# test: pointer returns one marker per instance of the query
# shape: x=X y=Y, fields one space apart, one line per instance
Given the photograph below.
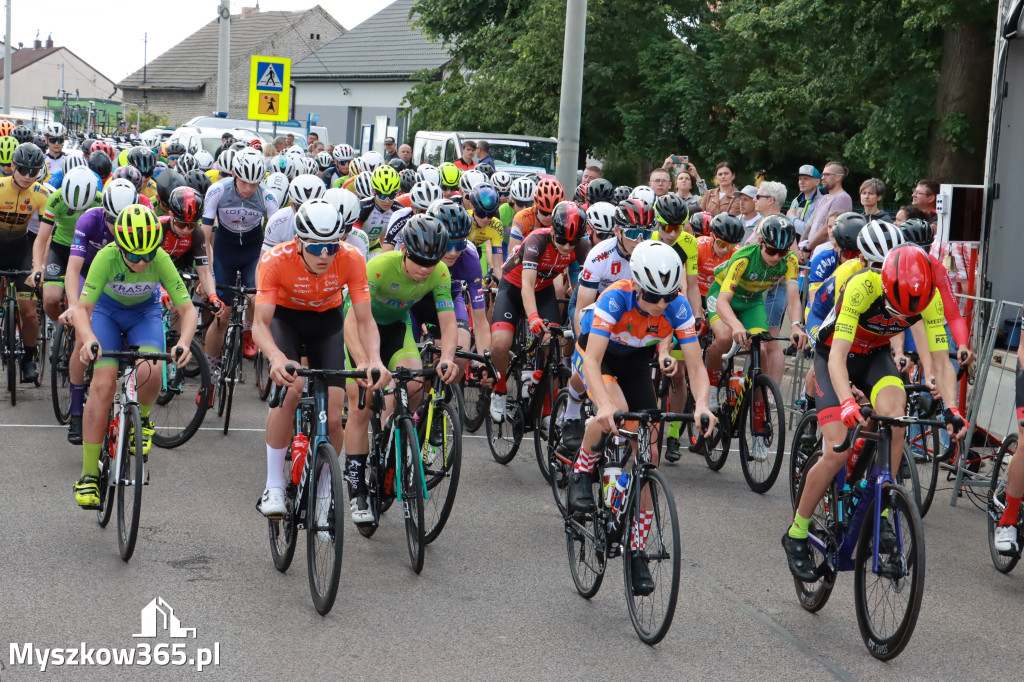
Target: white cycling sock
x=572 y=407
x=275 y=467
x=323 y=488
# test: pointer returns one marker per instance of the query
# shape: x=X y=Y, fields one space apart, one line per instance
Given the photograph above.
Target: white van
x=517 y=154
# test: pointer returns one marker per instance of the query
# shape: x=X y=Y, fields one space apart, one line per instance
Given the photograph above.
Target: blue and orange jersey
x=617 y=316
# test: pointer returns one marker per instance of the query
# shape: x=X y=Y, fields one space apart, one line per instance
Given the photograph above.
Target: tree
x=147 y=120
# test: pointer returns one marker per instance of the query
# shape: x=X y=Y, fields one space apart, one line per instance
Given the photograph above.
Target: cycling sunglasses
x=458 y=246
x=423 y=263
x=722 y=244
x=565 y=242
x=654 y=298
x=174 y=157
x=386 y=197
x=772 y=251
x=28 y=172
x=635 y=233
x=449 y=188
x=485 y=215
x=139 y=257
x=544 y=213
x=319 y=249
x=185 y=225
x=55 y=140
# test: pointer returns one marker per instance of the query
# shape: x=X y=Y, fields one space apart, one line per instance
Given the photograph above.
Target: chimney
x=49 y=40
x=37 y=44
x=246 y=11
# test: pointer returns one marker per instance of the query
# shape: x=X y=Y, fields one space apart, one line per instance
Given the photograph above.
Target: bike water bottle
x=855 y=451
x=858 y=492
x=300 y=446
x=611 y=474
x=619 y=494
x=735 y=386
x=526 y=379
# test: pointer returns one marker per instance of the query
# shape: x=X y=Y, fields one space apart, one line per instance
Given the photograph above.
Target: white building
x=44 y=70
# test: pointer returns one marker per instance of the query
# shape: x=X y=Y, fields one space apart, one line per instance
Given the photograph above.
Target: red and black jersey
x=179 y=248
x=538 y=252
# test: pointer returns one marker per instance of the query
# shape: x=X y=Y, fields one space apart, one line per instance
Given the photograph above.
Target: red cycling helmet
x=568 y=221
x=186 y=205
x=547 y=195
x=256 y=143
x=634 y=214
x=907 y=279
x=101 y=146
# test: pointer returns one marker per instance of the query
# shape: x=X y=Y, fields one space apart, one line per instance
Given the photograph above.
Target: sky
x=110 y=36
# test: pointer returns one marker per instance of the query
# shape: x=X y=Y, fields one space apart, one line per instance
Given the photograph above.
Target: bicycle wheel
x=1004 y=563
x=504 y=439
x=107 y=491
x=42 y=342
x=282 y=532
x=232 y=373
x=906 y=476
x=543 y=426
x=130 y=480
x=181 y=406
x=263 y=382
x=806 y=441
x=412 y=495
x=924 y=449
x=813 y=596
x=474 y=404
x=587 y=545
x=548 y=458
x=222 y=385
x=325 y=528
x=12 y=346
x=660 y=550
x=770 y=441
x=60 y=376
x=441 y=465
x=888 y=602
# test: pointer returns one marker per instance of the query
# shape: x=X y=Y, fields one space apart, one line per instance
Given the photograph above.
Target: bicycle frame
x=125 y=395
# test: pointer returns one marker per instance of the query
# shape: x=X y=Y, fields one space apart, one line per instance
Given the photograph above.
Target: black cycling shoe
x=798 y=556
x=581 y=496
x=887 y=536
x=29 y=372
x=436 y=438
x=75 y=430
x=672 y=449
x=643 y=583
x=572 y=438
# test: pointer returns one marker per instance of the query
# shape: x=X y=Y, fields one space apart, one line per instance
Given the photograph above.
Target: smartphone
x=677 y=159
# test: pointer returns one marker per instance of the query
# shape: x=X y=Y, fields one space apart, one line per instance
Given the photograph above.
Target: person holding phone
x=726 y=198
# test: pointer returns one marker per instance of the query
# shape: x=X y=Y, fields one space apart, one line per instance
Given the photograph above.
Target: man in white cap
x=801 y=211
x=748 y=208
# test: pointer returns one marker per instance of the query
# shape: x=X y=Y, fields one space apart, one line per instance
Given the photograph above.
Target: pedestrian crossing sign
x=269 y=88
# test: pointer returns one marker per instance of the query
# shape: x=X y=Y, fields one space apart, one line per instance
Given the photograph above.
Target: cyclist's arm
x=353 y=342
x=71 y=276
x=529 y=292
x=837 y=369
x=795 y=311
x=693 y=295
x=725 y=311
x=596 y=347
x=481 y=329
x=178 y=292
x=83 y=324
x=40 y=246
x=957 y=325
x=585 y=295
x=699 y=382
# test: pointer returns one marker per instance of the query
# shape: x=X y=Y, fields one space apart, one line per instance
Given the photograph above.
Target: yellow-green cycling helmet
x=385 y=182
x=138 y=232
x=7 y=146
x=450 y=175
x=122 y=158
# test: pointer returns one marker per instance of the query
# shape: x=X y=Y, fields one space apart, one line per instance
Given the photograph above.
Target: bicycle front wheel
x=924 y=449
x=107 y=491
x=806 y=441
x=184 y=398
x=762 y=445
x=131 y=478
x=652 y=532
x=442 y=462
x=888 y=601
x=1004 y=563
x=232 y=373
x=60 y=372
x=412 y=495
x=325 y=528
x=263 y=382
x=814 y=595
x=587 y=545
x=11 y=347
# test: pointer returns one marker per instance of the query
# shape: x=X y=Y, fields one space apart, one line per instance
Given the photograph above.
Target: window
x=432 y=152
x=450 y=154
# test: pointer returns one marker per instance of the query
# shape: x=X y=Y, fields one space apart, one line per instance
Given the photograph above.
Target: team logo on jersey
x=394 y=286
x=614 y=306
x=118 y=276
x=753 y=276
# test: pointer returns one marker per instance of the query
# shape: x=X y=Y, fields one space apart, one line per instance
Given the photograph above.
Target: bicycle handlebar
x=855 y=433
x=649 y=416
x=277 y=395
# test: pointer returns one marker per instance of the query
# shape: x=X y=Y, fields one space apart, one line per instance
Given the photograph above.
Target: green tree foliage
x=147 y=120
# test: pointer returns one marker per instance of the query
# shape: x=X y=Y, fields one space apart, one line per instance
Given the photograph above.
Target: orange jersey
x=286 y=281
x=525 y=222
x=707 y=261
x=617 y=317
x=404 y=200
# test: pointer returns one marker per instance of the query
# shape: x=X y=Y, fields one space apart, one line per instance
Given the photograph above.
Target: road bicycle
x=60 y=371
x=1003 y=562
x=122 y=460
x=641 y=524
x=12 y=350
x=314 y=497
x=184 y=397
x=845 y=534
x=231 y=352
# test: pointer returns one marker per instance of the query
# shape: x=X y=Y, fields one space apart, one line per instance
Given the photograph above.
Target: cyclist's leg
x=723 y=337
x=324 y=339
x=883 y=383
x=508 y=308
x=19 y=256
x=53 y=284
x=755 y=318
x=408 y=356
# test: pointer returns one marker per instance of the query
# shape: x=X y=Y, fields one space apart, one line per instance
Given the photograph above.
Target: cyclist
x=21 y=198
x=376 y=210
x=121 y=299
x=7 y=146
x=239 y=205
x=299 y=314
x=527 y=289
x=672 y=213
x=546 y=196
x=853 y=346
x=338 y=173
x=488 y=232
x=450 y=175
x=54 y=133
x=716 y=248
x=397 y=280
x=736 y=304
x=279 y=226
x=613 y=353
x=520 y=194
x=422 y=195
x=1006 y=540
x=185 y=241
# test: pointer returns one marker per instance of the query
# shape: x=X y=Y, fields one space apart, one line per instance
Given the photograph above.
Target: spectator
x=907 y=213
x=134 y=131
x=690 y=187
x=923 y=198
x=405 y=154
x=483 y=152
x=280 y=143
x=801 y=211
x=466 y=162
x=770 y=200
x=871 y=192
x=390 y=151
x=592 y=173
x=660 y=181
x=313 y=137
x=289 y=140
x=835 y=199
x=748 y=209
x=225 y=142
x=315 y=147
x=725 y=198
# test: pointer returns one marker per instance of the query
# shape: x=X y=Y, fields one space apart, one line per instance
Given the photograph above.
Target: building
x=182 y=82
x=365 y=74
x=45 y=71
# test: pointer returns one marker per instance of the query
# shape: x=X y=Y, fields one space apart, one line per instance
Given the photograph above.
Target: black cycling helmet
x=198 y=180
x=568 y=221
x=131 y=174
x=671 y=209
x=453 y=216
x=142 y=158
x=600 y=189
x=425 y=239
x=408 y=178
x=100 y=164
x=176 y=148
x=621 y=193
x=484 y=200
x=22 y=134
x=27 y=155
x=776 y=231
x=40 y=141
x=846 y=229
x=485 y=168
x=397 y=164
x=917 y=231
x=167 y=183
x=728 y=228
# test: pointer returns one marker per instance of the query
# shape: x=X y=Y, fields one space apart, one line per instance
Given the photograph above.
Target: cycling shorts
x=870 y=372
x=631 y=371
x=17 y=255
x=396 y=344
x=231 y=257
x=424 y=312
x=508 y=306
x=138 y=325
x=316 y=335
x=751 y=313
x=56 y=264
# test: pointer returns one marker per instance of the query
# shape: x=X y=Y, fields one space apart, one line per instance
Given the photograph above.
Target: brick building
x=182 y=82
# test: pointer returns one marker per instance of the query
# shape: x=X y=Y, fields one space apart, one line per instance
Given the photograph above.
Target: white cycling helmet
x=372 y=160
x=117 y=196
x=347 y=205
x=79 y=188
x=522 y=190
x=318 y=221
x=877 y=239
x=305 y=188
x=357 y=166
x=309 y=166
x=344 y=153
x=656 y=268
x=72 y=161
x=501 y=180
x=643 y=192
x=204 y=159
x=226 y=160
x=428 y=173
x=469 y=180
x=278 y=185
x=363 y=184
x=601 y=217
x=423 y=194
x=55 y=129
x=186 y=163
x=283 y=163
x=249 y=166
x=324 y=161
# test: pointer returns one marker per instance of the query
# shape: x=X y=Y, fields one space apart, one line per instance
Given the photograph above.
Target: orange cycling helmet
x=5 y=128
x=907 y=280
x=547 y=195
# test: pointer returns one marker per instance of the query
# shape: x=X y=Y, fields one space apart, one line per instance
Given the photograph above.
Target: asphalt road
x=494 y=601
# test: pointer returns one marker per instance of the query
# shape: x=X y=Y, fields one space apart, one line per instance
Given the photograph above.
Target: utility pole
x=572 y=94
x=223 y=55
x=145 y=45
x=7 y=62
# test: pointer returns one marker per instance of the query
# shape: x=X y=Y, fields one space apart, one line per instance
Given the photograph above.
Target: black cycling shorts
x=17 y=255
x=1020 y=392
x=57 y=262
x=631 y=371
x=315 y=335
x=870 y=372
x=424 y=312
x=508 y=306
